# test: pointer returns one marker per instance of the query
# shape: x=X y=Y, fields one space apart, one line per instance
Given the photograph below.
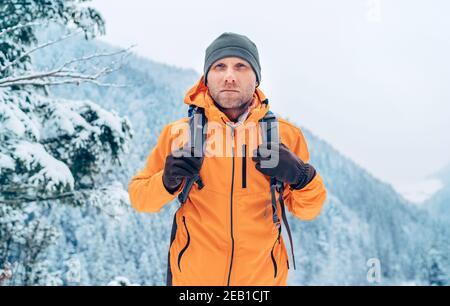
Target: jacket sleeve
x=146 y=189
x=305 y=203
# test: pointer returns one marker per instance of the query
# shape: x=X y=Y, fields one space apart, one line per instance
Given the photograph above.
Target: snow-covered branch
x=84 y=195
x=35 y=198
x=96 y=56
x=65 y=75
x=44 y=45
x=20 y=26
x=38 y=198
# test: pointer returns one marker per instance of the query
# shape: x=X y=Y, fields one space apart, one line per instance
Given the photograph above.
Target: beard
x=234 y=104
x=231 y=100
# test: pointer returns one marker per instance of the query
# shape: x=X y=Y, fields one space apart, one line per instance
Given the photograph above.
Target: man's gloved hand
x=180 y=164
x=290 y=168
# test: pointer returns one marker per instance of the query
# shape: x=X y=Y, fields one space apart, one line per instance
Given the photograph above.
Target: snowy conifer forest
x=78 y=118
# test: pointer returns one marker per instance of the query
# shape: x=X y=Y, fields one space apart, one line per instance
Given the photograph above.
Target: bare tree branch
x=71 y=82
x=16 y=60
x=95 y=56
x=70 y=76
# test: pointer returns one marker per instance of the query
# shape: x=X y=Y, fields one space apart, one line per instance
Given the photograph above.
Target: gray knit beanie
x=232 y=44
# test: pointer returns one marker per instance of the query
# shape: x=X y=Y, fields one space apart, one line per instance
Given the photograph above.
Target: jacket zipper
x=231 y=207
x=186 y=246
x=244 y=166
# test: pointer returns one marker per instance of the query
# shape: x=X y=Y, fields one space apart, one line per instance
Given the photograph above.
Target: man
x=228 y=230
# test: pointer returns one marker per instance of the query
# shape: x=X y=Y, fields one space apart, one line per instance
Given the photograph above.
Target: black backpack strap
x=285 y=220
x=269 y=128
x=197 y=140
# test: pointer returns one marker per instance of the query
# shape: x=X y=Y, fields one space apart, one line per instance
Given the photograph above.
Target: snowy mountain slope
x=364 y=218
x=439 y=204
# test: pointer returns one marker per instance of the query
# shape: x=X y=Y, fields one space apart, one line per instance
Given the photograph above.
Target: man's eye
x=220 y=65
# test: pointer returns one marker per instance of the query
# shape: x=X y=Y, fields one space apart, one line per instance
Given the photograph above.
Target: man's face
x=231 y=82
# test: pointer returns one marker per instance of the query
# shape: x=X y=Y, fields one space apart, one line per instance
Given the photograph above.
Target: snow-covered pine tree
x=52 y=151
x=437 y=262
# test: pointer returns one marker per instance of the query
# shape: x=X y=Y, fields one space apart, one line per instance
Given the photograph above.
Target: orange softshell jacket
x=224 y=233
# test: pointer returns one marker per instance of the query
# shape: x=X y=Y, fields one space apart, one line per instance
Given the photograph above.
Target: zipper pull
x=232 y=139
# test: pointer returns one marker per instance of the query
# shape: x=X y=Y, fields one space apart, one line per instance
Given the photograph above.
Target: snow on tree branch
x=64 y=74
x=20 y=26
x=44 y=45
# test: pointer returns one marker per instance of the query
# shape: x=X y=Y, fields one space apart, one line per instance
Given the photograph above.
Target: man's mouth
x=229 y=90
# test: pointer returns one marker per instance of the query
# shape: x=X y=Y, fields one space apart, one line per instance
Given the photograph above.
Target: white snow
x=64 y=119
x=13 y=118
x=67 y=116
x=118 y=201
x=105 y=117
x=54 y=171
x=109 y=119
x=6 y=162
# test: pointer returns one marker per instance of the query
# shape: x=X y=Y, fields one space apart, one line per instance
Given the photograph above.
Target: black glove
x=290 y=168
x=177 y=168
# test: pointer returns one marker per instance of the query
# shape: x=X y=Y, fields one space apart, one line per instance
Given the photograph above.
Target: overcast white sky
x=371 y=77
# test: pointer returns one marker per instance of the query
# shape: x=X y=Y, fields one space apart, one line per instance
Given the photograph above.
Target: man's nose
x=230 y=76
